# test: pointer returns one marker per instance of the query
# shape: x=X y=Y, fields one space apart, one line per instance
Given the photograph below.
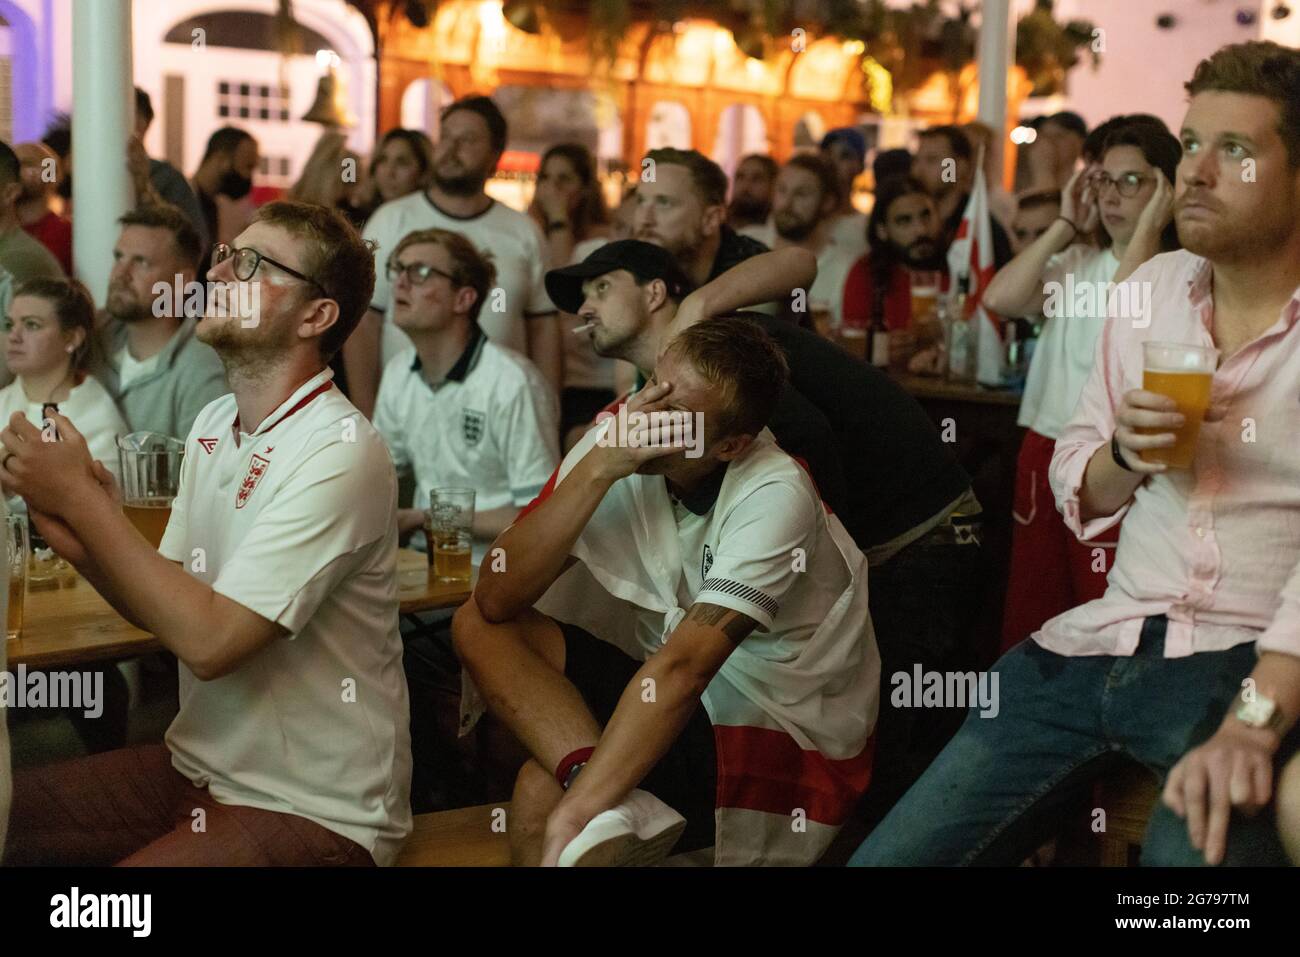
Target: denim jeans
x=992 y=794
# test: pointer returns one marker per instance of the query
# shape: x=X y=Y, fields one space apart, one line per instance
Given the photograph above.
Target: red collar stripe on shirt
x=320 y=389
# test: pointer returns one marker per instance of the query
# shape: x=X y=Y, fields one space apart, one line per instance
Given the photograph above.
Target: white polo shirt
x=297 y=522
x=512 y=240
x=491 y=425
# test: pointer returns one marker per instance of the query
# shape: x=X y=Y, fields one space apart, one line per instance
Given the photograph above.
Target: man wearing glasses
x=459 y=411
x=454 y=407
x=275 y=586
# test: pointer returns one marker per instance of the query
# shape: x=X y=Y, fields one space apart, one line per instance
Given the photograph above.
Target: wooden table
x=73 y=625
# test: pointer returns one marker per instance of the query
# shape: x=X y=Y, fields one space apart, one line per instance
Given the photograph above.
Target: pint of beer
x=925 y=293
x=450 y=534
x=17 y=552
x=1184 y=373
x=151 y=475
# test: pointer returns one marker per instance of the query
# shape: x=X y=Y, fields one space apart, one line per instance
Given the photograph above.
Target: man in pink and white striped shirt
x=1190 y=662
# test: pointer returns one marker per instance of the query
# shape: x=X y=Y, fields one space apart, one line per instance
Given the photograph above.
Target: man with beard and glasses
x=517 y=313
x=225 y=175
x=803 y=215
x=150 y=360
x=275 y=586
x=751 y=192
x=1190 y=662
x=905 y=230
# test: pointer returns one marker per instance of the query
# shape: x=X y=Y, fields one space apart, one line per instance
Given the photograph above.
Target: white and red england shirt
x=297 y=522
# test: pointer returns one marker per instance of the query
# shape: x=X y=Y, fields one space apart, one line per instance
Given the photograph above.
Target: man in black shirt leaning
x=875 y=456
x=681 y=205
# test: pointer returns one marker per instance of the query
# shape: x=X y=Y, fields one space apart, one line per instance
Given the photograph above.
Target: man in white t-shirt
x=803 y=215
x=275 y=586
x=705 y=655
x=517 y=313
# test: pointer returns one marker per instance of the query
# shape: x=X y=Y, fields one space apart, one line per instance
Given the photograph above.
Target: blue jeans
x=992 y=795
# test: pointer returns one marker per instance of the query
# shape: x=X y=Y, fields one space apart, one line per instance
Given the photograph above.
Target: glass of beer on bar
x=925 y=293
x=1184 y=373
x=151 y=474
x=18 y=550
x=450 y=534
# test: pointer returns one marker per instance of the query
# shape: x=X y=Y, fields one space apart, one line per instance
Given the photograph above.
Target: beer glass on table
x=925 y=293
x=151 y=474
x=450 y=534
x=1184 y=373
x=18 y=552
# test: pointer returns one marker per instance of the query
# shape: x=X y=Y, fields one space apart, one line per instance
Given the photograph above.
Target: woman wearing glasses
x=1115 y=215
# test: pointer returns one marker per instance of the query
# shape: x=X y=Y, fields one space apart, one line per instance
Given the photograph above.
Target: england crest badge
x=256 y=469
x=472 y=423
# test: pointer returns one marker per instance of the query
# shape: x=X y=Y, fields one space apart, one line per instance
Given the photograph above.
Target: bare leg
x=536 y=795
x=518 y=667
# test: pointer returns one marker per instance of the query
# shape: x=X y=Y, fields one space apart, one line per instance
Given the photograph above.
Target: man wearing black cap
x=875 y=456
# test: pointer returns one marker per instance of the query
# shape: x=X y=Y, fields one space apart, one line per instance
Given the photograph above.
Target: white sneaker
x=640 y=832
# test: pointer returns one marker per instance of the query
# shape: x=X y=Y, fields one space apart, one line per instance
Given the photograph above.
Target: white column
x=996 y=48
x=103 y=115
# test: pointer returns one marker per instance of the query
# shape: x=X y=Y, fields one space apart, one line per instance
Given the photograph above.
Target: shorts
x=686 y=777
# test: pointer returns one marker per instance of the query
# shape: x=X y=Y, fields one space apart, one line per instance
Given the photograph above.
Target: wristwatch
x=1260 y=712
x=1116 y=454
x=556 y=225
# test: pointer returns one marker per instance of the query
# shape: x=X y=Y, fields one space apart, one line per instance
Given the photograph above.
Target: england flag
x=971 y=255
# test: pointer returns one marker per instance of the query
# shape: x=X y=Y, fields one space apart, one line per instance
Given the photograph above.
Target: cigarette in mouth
x=590 y=325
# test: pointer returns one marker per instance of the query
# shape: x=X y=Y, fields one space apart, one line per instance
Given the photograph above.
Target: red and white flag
x=971 y=255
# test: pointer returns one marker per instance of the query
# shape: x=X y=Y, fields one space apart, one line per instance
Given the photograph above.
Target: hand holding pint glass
x=1159 y=424
x=450 y=535
x=151 y=475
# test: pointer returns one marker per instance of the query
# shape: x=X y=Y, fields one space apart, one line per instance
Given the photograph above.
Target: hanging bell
x=331 y=105
x=522 y=15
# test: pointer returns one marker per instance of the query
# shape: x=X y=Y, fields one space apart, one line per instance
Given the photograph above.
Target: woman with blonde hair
x=329 y=177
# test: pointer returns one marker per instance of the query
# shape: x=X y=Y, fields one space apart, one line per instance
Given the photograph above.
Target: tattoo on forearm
x=731 y=623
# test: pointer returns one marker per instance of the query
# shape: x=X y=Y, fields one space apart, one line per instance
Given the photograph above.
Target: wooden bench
x=1129 y=795
x=461 y=838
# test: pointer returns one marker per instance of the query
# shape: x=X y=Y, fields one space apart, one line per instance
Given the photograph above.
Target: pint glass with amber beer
x=450 y=534
x=151 y=475
x=1184 y=373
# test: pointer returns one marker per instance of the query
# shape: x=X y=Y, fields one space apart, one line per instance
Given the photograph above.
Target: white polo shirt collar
x=463 y=365
x=302 y=396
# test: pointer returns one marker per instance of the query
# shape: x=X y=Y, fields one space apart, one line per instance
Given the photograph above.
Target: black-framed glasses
x=1128 y=184
x=246 y=261
x=417 y=274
